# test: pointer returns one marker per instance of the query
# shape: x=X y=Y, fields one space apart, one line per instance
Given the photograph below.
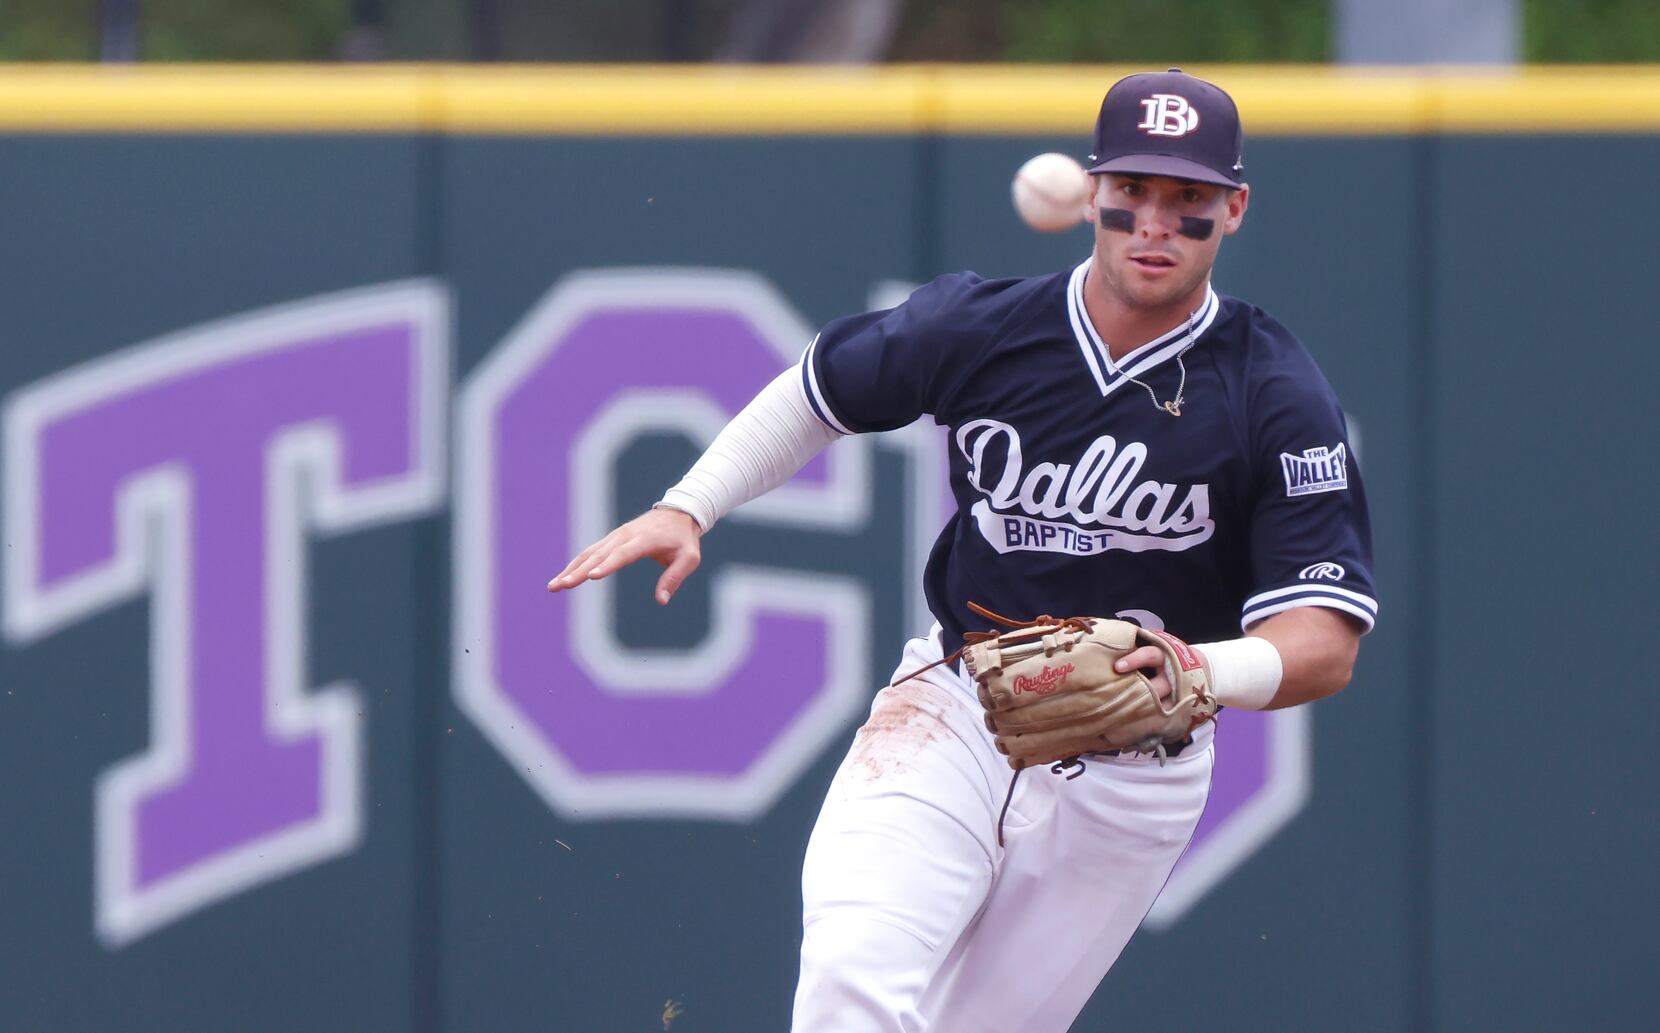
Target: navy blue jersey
x=1077 y=493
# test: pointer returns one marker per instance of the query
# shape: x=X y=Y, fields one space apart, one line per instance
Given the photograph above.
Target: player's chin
x=1155 y=293
x=1154 y=278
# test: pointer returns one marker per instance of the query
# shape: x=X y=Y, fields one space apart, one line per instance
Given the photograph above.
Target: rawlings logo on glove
x=1051 y=692
x=1045 y=681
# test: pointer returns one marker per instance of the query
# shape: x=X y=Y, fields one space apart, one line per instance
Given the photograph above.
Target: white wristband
x=1244 y=672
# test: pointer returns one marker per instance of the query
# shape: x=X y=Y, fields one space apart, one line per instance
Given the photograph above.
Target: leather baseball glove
x=1051 y=693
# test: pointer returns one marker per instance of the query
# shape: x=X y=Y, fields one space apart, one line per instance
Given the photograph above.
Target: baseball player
x=1125 y=443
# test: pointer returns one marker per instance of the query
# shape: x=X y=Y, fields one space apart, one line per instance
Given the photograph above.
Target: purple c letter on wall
x=192 y=467
x=601 y=730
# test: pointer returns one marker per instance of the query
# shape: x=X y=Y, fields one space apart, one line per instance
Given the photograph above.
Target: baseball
x=1050 y=192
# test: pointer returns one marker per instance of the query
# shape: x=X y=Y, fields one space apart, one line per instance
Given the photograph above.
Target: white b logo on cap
x=1168 y=114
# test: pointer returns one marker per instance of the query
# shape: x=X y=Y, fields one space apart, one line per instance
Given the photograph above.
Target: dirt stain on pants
x=906 y=718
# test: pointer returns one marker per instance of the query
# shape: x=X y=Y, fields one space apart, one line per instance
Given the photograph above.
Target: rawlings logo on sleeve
x=1325 y=571
x=1316 y=470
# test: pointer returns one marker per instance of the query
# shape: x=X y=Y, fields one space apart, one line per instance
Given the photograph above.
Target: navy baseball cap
x=1169 y=124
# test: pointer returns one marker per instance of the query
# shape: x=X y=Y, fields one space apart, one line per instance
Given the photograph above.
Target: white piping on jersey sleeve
x=815 y=394
x=1265 y=604
x=764 y=446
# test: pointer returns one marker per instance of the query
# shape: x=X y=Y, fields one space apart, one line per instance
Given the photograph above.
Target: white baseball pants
x=915 y=919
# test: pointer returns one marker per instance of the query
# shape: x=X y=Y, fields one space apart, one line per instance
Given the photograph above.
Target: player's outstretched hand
x=666 y=535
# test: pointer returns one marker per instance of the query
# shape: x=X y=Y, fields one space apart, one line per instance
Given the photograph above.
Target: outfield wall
x=311 y=378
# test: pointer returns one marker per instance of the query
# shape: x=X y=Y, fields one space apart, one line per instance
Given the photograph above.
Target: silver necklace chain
x=1174 y=406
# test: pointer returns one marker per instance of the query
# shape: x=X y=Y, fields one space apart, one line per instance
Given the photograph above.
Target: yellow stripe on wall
x=606 y=100
x=614 y=100
x=147 y=98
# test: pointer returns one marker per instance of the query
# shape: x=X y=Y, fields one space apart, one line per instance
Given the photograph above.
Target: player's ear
x=1093 y=202
x=1238 y=201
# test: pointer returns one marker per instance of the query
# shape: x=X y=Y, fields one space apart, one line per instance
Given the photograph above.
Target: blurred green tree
x=1142 y=32
x=48 y=30
x=1145 y=32
x=242 y=30
x=1590 y=30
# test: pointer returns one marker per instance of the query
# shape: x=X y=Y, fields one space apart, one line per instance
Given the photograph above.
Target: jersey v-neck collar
x=1110 y=375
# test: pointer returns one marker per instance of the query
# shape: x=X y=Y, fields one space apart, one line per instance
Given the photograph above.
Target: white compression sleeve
x=760 y=449
x=1244 y=672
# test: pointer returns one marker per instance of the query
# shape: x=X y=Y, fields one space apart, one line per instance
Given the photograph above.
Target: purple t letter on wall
x=192 y=468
